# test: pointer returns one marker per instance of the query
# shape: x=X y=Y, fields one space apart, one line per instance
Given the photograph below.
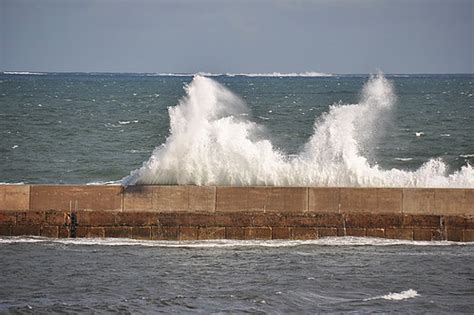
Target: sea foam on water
x=212 y=142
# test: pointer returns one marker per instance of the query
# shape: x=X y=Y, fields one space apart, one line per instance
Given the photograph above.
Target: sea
x=308 y=129
x=333 y=275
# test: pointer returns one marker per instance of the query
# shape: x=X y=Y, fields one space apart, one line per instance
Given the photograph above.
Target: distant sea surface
x=86 y=128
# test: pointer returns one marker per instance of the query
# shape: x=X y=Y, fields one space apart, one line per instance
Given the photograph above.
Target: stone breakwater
x=195 y=213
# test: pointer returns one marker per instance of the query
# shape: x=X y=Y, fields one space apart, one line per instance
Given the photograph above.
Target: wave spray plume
x=212 y=143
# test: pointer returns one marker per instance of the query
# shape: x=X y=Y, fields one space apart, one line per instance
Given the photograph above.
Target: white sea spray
x=212 y=142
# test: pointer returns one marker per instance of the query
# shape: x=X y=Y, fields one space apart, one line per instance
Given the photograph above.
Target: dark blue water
x=330 y=275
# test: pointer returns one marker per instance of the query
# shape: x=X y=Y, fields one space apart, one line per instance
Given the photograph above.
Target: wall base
x=238 y=225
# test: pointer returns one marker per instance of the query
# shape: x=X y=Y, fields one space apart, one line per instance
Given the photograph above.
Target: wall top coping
x=253 y=187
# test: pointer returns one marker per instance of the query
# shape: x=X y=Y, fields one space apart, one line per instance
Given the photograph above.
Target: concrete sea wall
x=193 y=212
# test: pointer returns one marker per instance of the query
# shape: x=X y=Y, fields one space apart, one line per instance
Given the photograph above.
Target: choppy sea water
x=410 y=130
x=336 y=275
x=397 y=130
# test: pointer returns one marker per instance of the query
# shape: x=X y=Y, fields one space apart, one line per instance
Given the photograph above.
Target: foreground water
x=329 y=275
x=413 y=130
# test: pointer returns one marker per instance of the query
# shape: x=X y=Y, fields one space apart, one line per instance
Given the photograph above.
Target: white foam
x=282 y=74
x=124 y=122
x=138 y=151
x=408 y=294
x=172 y=74
x=403 y=159
x=263 y=74
x=466 y=155
x=329 y=241
x=212 y=142
x=109 y=125
x=111 y=183
x=24 y=73
x=208 y=74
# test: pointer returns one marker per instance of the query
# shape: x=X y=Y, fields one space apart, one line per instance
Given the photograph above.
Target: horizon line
x=203 y=73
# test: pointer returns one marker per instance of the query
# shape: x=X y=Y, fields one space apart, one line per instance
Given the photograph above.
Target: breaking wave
x=212 y=142
x=408 y=294
x=329 y=241
x=23 y=73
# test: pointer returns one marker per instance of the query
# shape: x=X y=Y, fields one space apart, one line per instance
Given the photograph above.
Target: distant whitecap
x=23 y=73
x=403 y=159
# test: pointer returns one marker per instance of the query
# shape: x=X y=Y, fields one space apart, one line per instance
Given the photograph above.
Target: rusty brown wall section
x=236 y=212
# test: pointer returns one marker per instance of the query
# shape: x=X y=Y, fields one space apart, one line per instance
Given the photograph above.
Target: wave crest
x=211 y=143
x=408 y=294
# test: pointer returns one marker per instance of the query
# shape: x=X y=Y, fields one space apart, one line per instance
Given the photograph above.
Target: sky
x=237 y=36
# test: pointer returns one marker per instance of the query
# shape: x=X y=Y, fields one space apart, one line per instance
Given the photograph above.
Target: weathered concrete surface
x=438 y=201
x=323 y=199
x=14 y=197
x=169 y=198
x=453 y=201
x=75 y=197
x=375 y=200
x=265 y=199
x=191 y=212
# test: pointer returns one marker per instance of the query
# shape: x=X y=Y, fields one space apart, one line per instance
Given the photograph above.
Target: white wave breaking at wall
x=225 y=243
x=212 y=142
